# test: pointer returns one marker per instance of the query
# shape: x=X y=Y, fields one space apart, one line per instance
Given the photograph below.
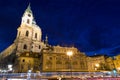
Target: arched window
x=25 y=46
x=35 y=35
x=27 y=33
x=28 y=21
x=29 y=15
x=23 y=60
x=39 y=46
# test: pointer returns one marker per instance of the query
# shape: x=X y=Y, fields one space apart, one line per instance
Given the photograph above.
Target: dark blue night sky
x=93 y=26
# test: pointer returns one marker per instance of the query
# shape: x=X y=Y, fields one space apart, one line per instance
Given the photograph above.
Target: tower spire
x=28 y=16
x=28 y=9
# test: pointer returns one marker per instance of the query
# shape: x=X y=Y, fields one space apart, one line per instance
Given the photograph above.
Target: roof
x=28 y=9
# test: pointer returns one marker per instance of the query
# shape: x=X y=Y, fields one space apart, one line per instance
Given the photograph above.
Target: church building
x=27 y=45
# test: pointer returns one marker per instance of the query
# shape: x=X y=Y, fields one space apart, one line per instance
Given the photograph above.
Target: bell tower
x=29 y=34
x=27 y=16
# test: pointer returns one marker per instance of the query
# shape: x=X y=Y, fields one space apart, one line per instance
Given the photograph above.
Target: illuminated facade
x=117 y=63
x=29 y=34
x=27 y=45
x=58 y=60
x=95 y=63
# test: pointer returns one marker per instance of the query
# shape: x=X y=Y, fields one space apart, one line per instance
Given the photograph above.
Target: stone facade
x=27 y=45
x=58 y=60
x=27 y=61
x=117 y=63
x=29 y=34
x=94 y=62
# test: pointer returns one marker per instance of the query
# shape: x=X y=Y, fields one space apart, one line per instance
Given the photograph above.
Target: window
x=27 y=33
x=58 y=62
x=67 y=62
x=29 y=15
x=39 y=46
x=23 y=60
x=28 y=21
x=22 y=67
x=82 y=65
x=75 y=63
x=35 y=35
x=25 y=46
x=49 y=58
x=49 y=63
x=27 y=54
x=36 y=56
x=28 y=67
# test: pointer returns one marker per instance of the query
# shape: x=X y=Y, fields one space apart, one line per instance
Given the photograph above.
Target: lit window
x=27 y=54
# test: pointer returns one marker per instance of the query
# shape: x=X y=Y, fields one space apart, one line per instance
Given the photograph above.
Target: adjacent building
x=117 y=63
x=58 y=60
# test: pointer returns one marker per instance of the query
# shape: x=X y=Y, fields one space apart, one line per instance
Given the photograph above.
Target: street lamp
x=70 y=53
x=96 y=66
x=118 y=69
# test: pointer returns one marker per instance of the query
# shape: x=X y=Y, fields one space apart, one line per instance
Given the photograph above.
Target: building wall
x=61 y=62
x=95 y=60
x=117 y=63
x=7 y=51
x=110 y=63
x=27 y=61
x=59 y=49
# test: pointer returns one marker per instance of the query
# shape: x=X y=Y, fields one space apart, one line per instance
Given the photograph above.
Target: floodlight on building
x=97 y=65
x=118 y=69
x=69 y=53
